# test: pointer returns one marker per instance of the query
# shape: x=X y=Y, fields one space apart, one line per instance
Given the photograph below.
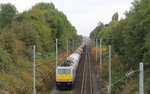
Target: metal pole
x=96 y=50
x=109 y=69
x=101 y=55
x=141 y=79
x=56 y=52
x=34 y=90
x=78 y=42
x=67 y=47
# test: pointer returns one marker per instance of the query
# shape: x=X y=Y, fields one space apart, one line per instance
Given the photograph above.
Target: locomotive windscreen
x=64 y=71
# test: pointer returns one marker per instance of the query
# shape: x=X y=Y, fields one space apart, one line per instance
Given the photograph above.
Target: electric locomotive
x=66 y=71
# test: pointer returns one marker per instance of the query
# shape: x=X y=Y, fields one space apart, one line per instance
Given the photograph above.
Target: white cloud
x=83 y=14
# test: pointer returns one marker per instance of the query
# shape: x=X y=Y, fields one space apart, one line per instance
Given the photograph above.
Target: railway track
x=86 y=76
x=87 y=87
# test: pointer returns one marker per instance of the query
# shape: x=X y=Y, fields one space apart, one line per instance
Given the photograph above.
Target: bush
x=4 y=60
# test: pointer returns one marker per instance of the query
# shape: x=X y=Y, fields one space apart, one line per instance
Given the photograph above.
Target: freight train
x=66 y=71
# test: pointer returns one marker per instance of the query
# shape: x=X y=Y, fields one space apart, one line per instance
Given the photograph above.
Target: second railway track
x=87 y=86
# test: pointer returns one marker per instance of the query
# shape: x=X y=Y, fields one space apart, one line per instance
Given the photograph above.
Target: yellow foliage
x=98 y=49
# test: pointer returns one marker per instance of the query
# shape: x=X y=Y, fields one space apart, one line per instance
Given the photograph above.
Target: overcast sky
x=83 y=14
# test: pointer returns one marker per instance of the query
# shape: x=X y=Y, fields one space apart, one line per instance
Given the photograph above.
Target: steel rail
x=90 y=75
x=84 y=72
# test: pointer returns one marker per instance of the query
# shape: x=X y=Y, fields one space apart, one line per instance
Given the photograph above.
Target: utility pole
x=100 y=55
x=109 y=89
x=67 y=47
x=56 y=52
x=96 y=50
x=78 y=42
x=34 y=90
x=56 y=55
x=141 y=78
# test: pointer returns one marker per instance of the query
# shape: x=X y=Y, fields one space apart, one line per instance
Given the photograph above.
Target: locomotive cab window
x=64 y=71
x=67 y=71
x=60 y=71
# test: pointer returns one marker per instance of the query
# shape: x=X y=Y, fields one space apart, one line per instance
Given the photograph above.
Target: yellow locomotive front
x=63 y=77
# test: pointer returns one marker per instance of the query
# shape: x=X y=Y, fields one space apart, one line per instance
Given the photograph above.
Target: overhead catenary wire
x=122 y=66
x=34 y=68
x=4 y=91
x=118 y=81
x=52 y=73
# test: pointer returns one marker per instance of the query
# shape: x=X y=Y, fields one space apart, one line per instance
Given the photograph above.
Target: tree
x=24 y=32
x=130 y=37
x=115 y=16
x=136 y=31
x=95 y=33
x=57 y=21
x=7 y=14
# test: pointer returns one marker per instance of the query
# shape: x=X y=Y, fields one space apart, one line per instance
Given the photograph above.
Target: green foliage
x=136 y=30
x=36 y=18
x=45 y=6
x=147 y=52
x=24 y=32
x=129 y=37
x=60 y=27
x=7 y=14
x=38 y=26
x=115 y=16
x=8 y=41
x=96 y=33
x=118 y=37
x=4 y=60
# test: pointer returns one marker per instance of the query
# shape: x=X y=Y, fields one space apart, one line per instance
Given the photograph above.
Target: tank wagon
x=66 y=71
